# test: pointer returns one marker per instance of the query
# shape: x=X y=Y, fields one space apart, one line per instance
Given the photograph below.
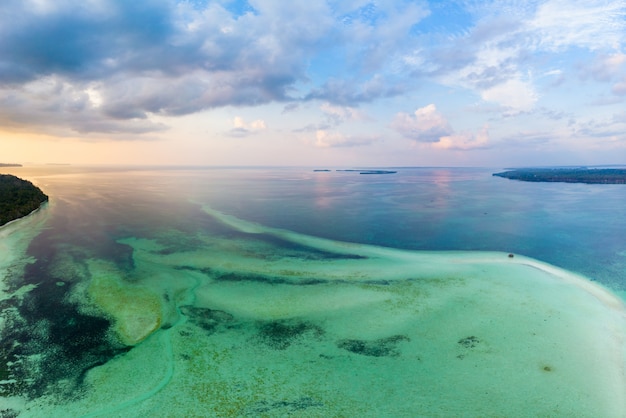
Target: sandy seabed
x=273 y=323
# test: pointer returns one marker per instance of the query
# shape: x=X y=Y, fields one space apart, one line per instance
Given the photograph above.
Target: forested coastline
x=18 y=198
x=568 y=175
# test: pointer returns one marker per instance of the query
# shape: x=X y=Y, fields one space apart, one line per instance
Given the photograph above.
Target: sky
x=324 y=83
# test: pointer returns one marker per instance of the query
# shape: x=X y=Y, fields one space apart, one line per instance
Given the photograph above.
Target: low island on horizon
x=18 y=198
x=363 y=171
x=567 y=175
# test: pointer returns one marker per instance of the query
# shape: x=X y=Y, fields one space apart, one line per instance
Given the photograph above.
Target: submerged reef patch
x=136 y=310
x=468 y=342
x=248 y=277
x=46 y=339
x=382 y=347
x=289 y=407
x=9 y=413
x=279 y=335
x=207 y=319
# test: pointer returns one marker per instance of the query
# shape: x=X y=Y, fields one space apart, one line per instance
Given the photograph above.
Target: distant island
x=361 y=171
x=568 y=175
x=18 y=198
x=10 y=165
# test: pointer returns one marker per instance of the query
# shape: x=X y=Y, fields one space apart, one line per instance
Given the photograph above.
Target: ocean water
x=288 y=292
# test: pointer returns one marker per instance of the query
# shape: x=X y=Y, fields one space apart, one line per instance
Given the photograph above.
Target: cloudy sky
x=313 y=82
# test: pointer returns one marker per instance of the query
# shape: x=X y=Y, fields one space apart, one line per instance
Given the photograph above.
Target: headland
x=568 y=175
x=18 y=198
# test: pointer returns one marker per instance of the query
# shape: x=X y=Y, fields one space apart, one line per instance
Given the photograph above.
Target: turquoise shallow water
x=284 y=292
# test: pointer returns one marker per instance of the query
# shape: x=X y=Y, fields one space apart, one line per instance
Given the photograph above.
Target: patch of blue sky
x=196 y=4
x=330 y=64
x=447 y=18
x=239 y=8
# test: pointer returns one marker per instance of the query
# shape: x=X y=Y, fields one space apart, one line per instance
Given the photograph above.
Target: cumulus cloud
x=64 y=109
x=464 y=141
x=428 y=125
x=243 y=128
x=339 y=114
x=173 y=57
x=497 y=53
x=326 y=139
x=515 y=95
x=114 y=66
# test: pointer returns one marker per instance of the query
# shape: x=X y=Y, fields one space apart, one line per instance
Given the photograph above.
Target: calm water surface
x=122 y=237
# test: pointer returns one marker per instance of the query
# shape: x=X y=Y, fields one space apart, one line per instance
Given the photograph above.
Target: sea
x=294 y=291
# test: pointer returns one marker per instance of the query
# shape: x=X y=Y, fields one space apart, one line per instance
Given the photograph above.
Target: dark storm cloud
x=73 y=40
x=168 y=57
x=158 y=57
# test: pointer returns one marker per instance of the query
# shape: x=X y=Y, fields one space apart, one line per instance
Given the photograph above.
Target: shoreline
x=42 y=206
x=15 y=236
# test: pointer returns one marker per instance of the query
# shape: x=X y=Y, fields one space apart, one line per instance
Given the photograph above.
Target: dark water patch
x=61 y=247
x=279 y=335
x=381 y=282
x=175 y=241
x=46 y=340
x=383 y=347
x=283 y=408
x=293 y=280
x=8 y=413
x=273 y=280
x=469 y=342
x=184 y=333
x=207 y=319
x=258 y=278
x=290 y=249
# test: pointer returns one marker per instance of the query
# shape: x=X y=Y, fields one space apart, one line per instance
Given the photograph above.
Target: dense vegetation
x=18 y=198
x=568 y=175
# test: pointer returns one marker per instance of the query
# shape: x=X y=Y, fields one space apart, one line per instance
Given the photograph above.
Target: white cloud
x=426 y=124
x=429 y=126
x=511 y=40
x=257 y=125
x=464 y=141
x=243 y=128
x=326 y=139
x=593 y=24
x=515 y=95
x=342 y=113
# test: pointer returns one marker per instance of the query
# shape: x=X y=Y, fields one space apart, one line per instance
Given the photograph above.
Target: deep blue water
x=579 y=227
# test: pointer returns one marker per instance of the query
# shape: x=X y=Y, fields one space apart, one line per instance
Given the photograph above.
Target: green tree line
x=577 y=175
x=18 y=198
